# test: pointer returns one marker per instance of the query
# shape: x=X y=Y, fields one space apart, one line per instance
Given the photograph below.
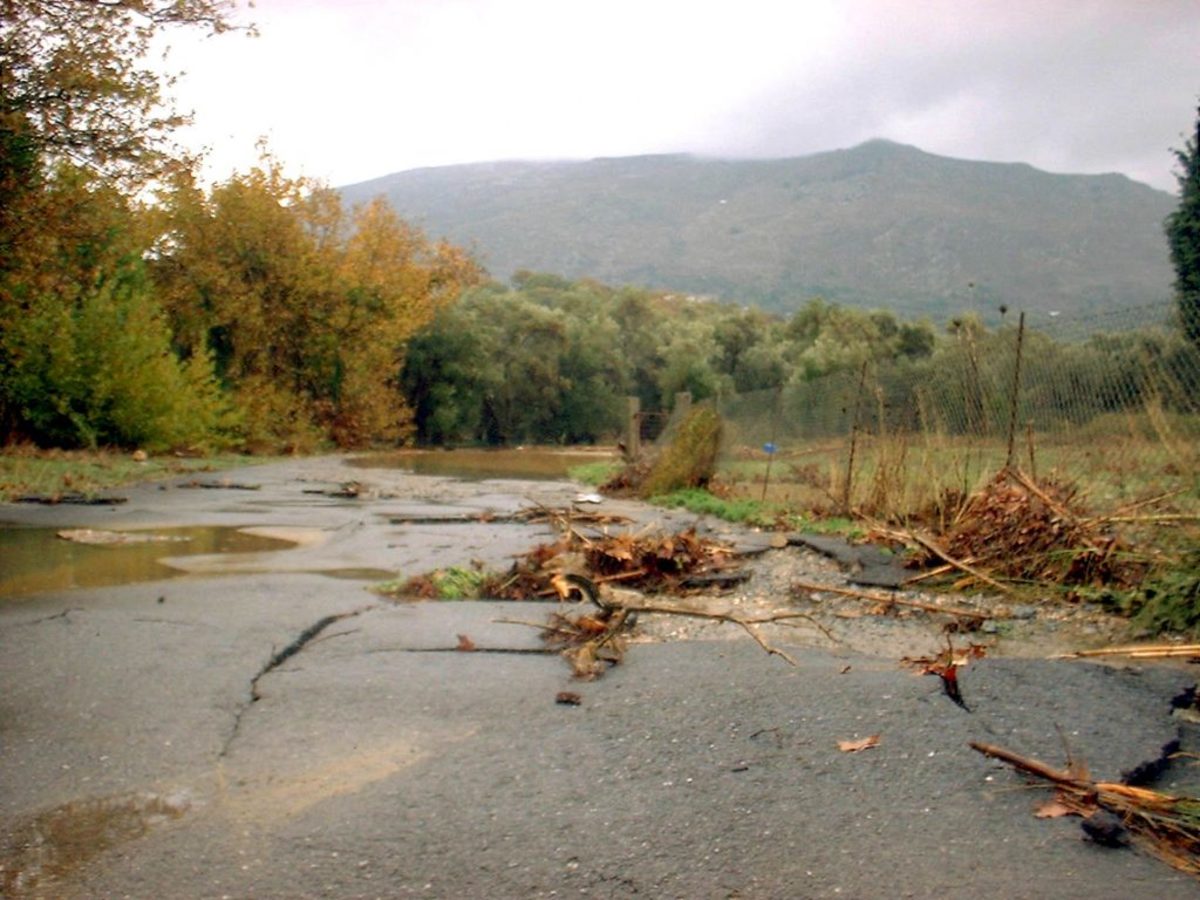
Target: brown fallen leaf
x=568 y=698
x=465 y=644
x=1054 y=809
x=861 y=744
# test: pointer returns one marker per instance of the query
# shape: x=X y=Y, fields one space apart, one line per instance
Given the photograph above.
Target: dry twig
x=1164 y=825
x=932 y=547
x=886 y=600
x=1137 y=651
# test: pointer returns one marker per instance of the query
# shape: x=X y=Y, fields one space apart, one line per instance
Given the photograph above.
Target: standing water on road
x=533 y=463
x=37 y=559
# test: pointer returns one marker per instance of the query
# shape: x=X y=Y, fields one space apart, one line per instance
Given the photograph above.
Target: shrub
x=100 y=371
x=690 y=460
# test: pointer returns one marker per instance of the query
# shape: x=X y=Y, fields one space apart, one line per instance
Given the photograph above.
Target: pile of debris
x=1015 y=529
x=1020 y=530
x=648 y=562
x=1116 y=814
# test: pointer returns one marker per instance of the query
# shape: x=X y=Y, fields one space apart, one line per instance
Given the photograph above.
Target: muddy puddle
x=526 y=463
x=37 y=559
x=37 y=852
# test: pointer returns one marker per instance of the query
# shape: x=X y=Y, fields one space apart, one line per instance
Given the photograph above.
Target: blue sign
x=768 y=448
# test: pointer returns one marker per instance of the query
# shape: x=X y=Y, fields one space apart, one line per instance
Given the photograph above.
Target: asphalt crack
x=278 y=658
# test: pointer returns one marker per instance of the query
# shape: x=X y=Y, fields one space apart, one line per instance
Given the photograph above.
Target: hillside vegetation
x=879 y=225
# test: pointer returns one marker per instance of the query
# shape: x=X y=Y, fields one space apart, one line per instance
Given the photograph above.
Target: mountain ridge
x=880 y=224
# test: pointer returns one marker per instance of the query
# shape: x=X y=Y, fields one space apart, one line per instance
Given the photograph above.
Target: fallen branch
x=1137 y=651
x=1162 y=517
x=896 y=601
x=1053 y=505
x=1165 y=825
x=1026 y=764
x=1149 y=501
x=927 y=574
x=932 y=547
x=743 y=621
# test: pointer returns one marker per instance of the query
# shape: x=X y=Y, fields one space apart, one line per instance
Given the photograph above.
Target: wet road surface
x=158 y=740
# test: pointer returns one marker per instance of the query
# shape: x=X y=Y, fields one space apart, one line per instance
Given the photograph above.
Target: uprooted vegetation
x=689 y=460
x=588 y=567
x=649 y=562
x=1015 y=530
x=1036 y=538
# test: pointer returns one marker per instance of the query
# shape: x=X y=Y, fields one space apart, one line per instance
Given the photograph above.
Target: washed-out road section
x=259 y=728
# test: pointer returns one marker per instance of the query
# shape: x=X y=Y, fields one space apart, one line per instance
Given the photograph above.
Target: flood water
x=36 y=559
x=527 y=463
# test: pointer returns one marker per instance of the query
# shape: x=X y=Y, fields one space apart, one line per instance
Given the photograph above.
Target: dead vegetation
x=1115 y=813
x=1018 y=531
x=650 y=562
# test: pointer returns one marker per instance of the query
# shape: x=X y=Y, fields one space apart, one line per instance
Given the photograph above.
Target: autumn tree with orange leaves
x=306 y=308
x=255 y=313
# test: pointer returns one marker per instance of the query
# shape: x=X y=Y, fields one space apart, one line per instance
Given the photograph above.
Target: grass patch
x=1166 y=602
x=838 y=525
x=700 y=501
x=453 y=583
x=24 y=471
x=595 y=473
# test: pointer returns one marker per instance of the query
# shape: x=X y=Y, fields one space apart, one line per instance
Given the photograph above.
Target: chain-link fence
x=1110 y=406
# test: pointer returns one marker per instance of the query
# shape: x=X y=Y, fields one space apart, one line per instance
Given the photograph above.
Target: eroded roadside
x=271 y=731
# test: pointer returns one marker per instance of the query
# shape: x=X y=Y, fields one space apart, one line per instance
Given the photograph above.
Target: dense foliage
x=547 y=360
x=75 y=85
x=256 y=313
x=1183 y=234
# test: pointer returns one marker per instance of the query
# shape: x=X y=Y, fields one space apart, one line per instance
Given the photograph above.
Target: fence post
x=862 y=380
x=633 y=427
x=771 y=446
x=1016 y=391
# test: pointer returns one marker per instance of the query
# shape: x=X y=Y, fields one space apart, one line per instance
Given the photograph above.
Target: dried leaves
x=855 y=746
x=946 y=665
x=589 y=643
x=1016 y=529
x=647 y=562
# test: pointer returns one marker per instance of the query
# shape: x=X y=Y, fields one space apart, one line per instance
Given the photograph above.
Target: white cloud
x=350 y=90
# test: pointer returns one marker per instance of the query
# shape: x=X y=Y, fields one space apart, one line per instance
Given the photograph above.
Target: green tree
x=1183 y=235
x=85 y=351
x=74 y=84
x=100 y=371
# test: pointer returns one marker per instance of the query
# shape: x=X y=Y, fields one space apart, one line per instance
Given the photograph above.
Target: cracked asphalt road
x=258 y=729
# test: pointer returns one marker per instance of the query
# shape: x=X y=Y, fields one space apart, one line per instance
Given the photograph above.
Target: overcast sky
x=347 y=90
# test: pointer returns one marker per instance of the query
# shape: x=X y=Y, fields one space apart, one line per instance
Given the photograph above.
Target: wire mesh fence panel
x=1114 y=410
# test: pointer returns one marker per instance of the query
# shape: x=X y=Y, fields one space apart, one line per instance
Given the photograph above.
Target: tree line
x=141 y=308
x=138 y=308
x=546 y=360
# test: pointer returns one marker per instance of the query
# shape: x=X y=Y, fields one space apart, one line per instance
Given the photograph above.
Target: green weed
x=453 y=583
x=24 y=471
x=595 y=473
x=701 y=502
